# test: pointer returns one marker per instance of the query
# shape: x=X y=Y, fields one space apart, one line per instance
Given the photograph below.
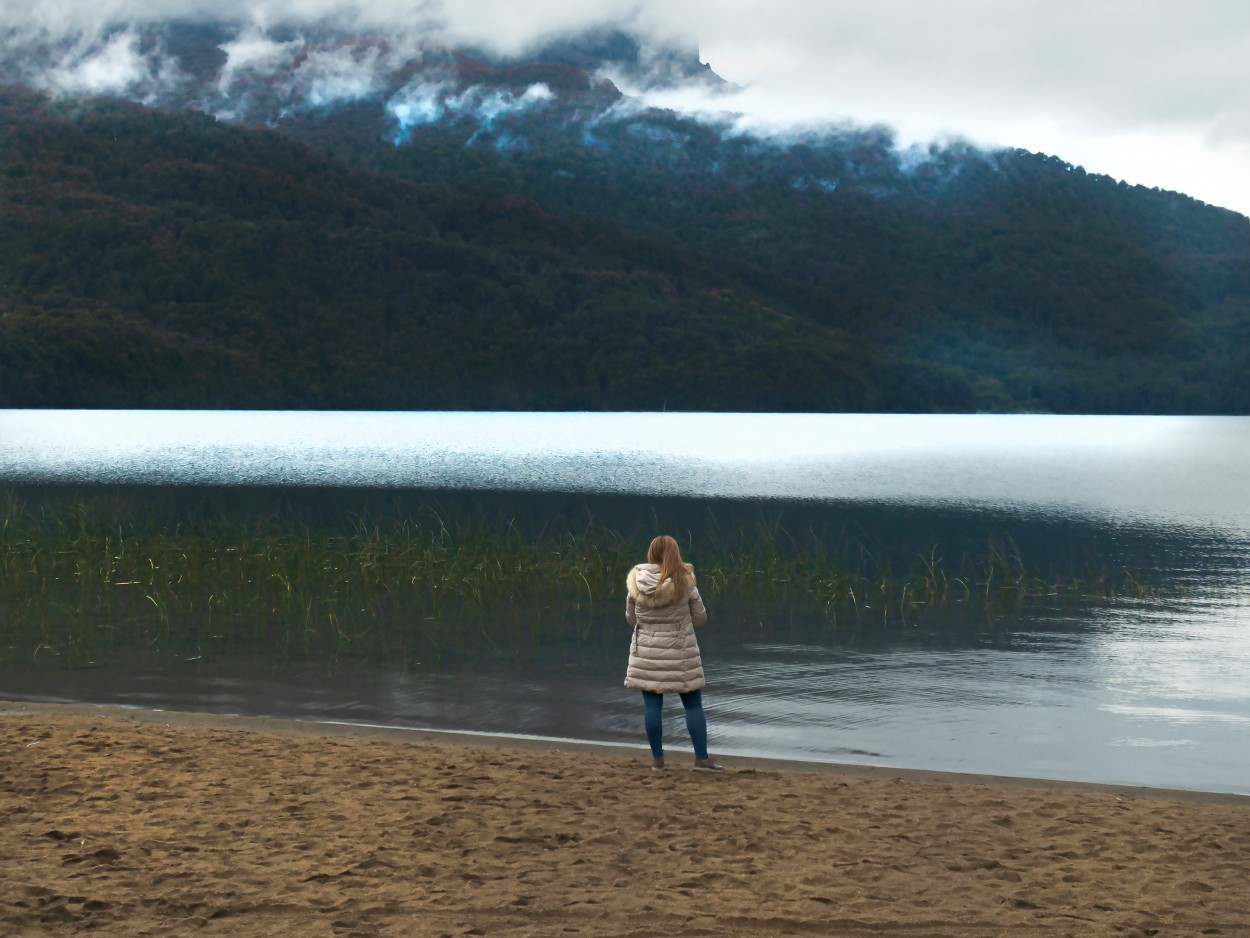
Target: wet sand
x=136 y=823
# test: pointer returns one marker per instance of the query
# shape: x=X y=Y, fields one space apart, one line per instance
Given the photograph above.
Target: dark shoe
x=657 y=765
x=707 y=765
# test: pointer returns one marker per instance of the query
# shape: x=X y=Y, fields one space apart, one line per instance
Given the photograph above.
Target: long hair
x=665 y=552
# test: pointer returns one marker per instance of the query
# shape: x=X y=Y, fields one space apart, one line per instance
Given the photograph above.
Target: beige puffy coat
x=664 y=653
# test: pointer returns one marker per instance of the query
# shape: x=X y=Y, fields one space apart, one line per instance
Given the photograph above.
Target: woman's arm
x=630 y=616
x=698 y=612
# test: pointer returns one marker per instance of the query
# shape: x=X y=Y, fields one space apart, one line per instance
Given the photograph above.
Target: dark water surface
x=1152 y=690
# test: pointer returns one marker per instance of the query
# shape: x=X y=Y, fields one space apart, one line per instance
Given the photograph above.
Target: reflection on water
x=1141 y=691
x=1164 y=703
x=1154 y=700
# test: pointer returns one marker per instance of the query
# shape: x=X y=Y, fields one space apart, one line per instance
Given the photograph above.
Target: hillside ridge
x=478 y=232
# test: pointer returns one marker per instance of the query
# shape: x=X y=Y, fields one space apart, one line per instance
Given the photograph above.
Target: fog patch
x=253 y=53
x=340 y=75
x=428 y=102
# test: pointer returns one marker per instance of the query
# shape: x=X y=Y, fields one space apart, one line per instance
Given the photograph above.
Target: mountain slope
x=365 y=227
x=168 y=260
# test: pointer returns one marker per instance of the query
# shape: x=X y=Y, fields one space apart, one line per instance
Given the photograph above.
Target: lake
x=1147 y=689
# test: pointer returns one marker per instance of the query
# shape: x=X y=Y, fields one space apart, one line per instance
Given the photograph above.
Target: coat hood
x=644 y=586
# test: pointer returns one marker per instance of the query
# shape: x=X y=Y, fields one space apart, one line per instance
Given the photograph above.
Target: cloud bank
x=1147 y=90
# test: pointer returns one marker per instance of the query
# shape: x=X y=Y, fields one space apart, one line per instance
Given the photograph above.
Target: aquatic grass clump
x=88 y=578
x=771 y=566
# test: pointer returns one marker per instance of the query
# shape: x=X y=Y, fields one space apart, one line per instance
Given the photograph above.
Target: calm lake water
x=1139 y=691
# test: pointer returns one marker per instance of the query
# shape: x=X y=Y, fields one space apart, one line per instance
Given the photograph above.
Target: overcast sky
x=1155 y=92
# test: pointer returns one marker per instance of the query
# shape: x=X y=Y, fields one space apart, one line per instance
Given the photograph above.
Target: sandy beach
x=144 y=823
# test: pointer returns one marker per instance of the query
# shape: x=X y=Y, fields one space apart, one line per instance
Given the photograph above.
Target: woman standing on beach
x=663 y=605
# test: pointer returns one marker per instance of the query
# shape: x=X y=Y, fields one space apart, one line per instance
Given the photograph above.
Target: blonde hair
x=665 y=552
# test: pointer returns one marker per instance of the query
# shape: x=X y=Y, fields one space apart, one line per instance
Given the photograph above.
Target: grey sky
x=1152 y=91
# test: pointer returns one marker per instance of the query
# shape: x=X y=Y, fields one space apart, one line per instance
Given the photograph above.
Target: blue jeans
x=696 y=721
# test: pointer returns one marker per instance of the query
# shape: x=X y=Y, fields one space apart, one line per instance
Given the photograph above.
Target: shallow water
x=1153 y=691
x=1136 y=697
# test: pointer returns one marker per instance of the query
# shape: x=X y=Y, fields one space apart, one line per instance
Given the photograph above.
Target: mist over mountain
x=203 y=214
x=242 y=72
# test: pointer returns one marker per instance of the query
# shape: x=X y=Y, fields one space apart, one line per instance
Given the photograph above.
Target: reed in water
x=89 y=578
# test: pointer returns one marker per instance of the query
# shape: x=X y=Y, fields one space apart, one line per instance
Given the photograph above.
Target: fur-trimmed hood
x=644 y=586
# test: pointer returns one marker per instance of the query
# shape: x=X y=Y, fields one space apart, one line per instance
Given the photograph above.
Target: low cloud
x=1118 y=64
x=112 y=68
x=427 y=102
x=253 y=52
x=332 y=77
x=119 y=64
x=1061 y=75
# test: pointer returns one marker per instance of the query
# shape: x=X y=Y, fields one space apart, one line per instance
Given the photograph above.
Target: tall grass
x=88 y=579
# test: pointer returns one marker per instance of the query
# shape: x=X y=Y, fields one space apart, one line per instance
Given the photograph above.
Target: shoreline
x=127 y=822
x=290 y=726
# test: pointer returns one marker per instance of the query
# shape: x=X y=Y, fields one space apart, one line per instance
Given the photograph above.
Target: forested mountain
x=453 y=231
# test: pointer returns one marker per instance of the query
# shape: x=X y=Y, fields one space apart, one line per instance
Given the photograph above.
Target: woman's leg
x=653 y=720
x=696 y=721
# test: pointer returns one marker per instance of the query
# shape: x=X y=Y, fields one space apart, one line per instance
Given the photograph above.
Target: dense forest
x=519 y=236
